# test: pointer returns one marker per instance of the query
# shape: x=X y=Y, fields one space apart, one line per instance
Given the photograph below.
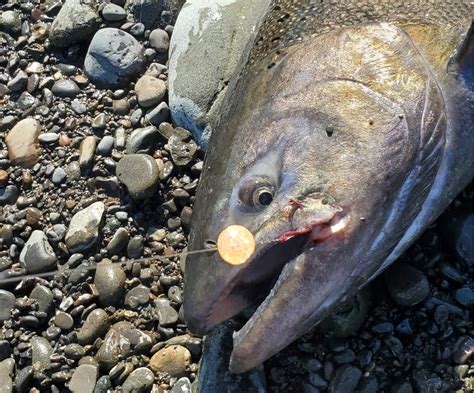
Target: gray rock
x=96 y=325
x=74 y=351
x=84 y=227
x=159 y=40
x=465 y=296
x=41 y=351
x=109 y=281
x=113 y=58
x=44 y=298
x=10 y=22
x=140 y=380
x=113 y=13
x=118 y=242
x=18 y=82
x=7 y=367
x=78 y=107
x=9 y=195
x=167 y=315
x=143 y=140
x=37 y=255
x=59 y=175
x=150 y=91
x=103 y=385
x=23 y=144
x=158 y=115
x=86 y=152
x=407 y=285
x=105 y=146
x=23 y=379
x=77 y=21
x=404 y=387
x=147 y=12
x=221 y=30
x=140 y=174
x=48 y=137
x=135 y=247
x=83 y=379
x=138 y=295
x=182 y=152
x=7 y=303
x=345 y=380
x=65 y=88
x=182 y=385
x=426 y=382
x=63 y=320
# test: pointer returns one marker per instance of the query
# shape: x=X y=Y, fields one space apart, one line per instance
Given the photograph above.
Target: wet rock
x=167 y=315
x=407 y=285
x=159 y=40
x=23 y=144
x=83 y=379
x=44 y=298
x=464 y=351
x=150 y=91
x=84 y=227
x=63 y=320
x=465 y=296
x=140 y=174
x=41 y=351
x=198 y=83
x=9 y=195
x=113 y=13
x=23 y=379
x=96 y=325
x=138 y=295
x=143 y=140
x=118 y=242
x=7 y=367
x=65 y=88
x=77 y=21
x=174 y=361
x=345 y=380
x=18 y=82
x=113 y=58
x=140 y=380
x=7 y=303
x=109 y=281
x=37 y=255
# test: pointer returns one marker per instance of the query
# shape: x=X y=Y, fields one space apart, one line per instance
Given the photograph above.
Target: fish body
x=348 y=131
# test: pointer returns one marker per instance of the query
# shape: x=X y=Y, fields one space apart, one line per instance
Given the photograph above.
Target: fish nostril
x=210 y=244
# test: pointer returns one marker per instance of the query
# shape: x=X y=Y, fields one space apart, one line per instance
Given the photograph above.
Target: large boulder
x=114 y=58
x=207 y=45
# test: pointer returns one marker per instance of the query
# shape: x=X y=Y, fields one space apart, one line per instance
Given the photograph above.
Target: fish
x=347 y=131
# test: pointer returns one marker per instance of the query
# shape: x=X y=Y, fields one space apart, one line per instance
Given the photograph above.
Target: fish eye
x=257 y=192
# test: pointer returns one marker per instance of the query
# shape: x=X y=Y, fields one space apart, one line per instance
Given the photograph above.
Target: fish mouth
x=254 y=283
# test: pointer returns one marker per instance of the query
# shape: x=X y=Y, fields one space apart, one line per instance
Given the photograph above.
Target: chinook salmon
x=348 y=131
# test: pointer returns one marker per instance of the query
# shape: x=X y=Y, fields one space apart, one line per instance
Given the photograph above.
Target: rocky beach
x=97 y=185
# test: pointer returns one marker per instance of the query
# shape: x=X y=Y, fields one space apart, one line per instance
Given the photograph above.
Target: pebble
x=44 y=298
x=77 y=21
x=464 y=351
x=9 y=195
x=182 y=152
x=345 y=380
x=64 y=320
x=87 y=151
x=48 y=137
x=83 y=229
x=465 y=297
x=158 y=115
x=113 y=58
x=7 y=303
x=65 y=88
x=404 y=387
x=41 y=351
x=137 y=296
x=96 y=325
x=37 y=255
x=140 y=380
x=10 y=21
x=105 y=146
x=407 y=285
x=182 y=385
x=173 y=360
x=150 y=91
x=83 y=379
x=143 y=140
x=59 y=176
x=140 y=174
x=7 y=367
x=23 y=143
x=167 y=315
x=159 y=40
x=118 y=242
x=3 y=178
x=113 y=13
x=109 y=281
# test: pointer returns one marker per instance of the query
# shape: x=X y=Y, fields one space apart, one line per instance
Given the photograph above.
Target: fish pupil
x=265 y=198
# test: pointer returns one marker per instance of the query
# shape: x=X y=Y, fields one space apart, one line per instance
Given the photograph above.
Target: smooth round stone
x=95 y=326
x=63 y=320
x=113 y=58
x=110 y=283
x=84 y=379
x=407 y=285
x=105 y=146
x=345 y=379
x=41 y=351
x=118 y=242
x=9 y=195
x=113 y=13
x=87 y=151
x=37 y=255
x=135 y=247
x=23 y=379
x=158 y=115
x=7 y=303
x=44 y=298
x=23 y=143
x=140 y=174
x=48 y=137
x=138 y=295
x=65 y=88
x=74 y=351
x=143 y=140
x=159 y=40
x=150 y=91
x=173 y=360
x=465 y=296
x=121 y=107
x=140 y=380
x=167 y=315
x=59 y=176
x=84 y=227
x=138 y=29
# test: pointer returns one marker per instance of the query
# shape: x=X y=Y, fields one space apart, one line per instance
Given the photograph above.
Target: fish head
x=311 y=160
